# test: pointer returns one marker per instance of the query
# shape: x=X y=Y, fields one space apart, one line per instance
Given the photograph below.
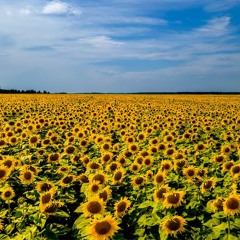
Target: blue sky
x=120 y=45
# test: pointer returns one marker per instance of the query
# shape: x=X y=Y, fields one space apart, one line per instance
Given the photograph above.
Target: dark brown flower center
x=232 y=203
x=100 y=178
x=173 y=198
x=46 y=187
x=173 y=224
x=236 y=169
x=139 y=180
x=94 y=207
x=67 y=179
x=118 y=176
x=190 y=172
x=2 y=173
x=103 y=227
x=103 y=195
x=160 y=193
x=208 y=184
x=121 y=207
x=27 y=175
x=46 y=198
x=7 y=194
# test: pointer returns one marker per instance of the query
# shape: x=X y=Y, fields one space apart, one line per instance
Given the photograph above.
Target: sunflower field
x=119 y=167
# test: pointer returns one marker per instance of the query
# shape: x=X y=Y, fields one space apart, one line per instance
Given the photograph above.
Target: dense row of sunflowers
x=119 y=166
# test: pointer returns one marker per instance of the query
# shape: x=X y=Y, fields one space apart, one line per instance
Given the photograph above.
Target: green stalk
x=9 y=213
x=228 y=220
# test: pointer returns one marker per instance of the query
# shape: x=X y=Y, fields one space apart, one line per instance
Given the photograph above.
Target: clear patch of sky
x=136 y=64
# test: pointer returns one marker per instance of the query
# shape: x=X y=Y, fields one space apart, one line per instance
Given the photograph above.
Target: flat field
x=119 y=166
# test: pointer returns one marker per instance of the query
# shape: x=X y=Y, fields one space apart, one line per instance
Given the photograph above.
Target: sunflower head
x=93 y=206
x=173 y=199
x=7 y=194
x=4 y=173
x=67 y=180
x=118 y=176
x=159 y=178
x=166 y=166
x=217 y=204
x=159 y=194
x=207 y=185
x=121 y=206
x=174 y=225
x=231 y=205
x=104 y=228
x=26 y=177
x=138 y=181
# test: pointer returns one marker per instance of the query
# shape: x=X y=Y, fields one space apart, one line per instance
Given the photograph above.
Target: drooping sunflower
x=83 y=178
x=52 y=207
x=217 y=204
x=231 y=205
x=105 y=194
x=45 y=186
x=228 y=165
x=7 y=194
x=118 y=176
x=174 y=225
x=159 y=194
x=26 y=176
x=104 y=228
x=94 y=205
x=121 y=206
x=173 y=199
x=45 y=200
x=219 y=159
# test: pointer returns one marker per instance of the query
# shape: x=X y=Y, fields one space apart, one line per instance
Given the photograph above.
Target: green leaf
x=146 y=204
x=140 y=232
x=61 y=213
x=3 y=213
x=9 y=228
x=50 y=235
x=163 y=235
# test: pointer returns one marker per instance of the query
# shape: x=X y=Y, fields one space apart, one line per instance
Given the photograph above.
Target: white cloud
x=57 y=7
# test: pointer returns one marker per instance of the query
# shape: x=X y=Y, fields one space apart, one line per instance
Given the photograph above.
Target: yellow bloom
x=174 y=225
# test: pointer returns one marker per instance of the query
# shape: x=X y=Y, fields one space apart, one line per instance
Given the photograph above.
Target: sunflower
x=69 y=150
x=200 y=147
x=45 y=200
x=135 y=167
x=226 y=150
x=104 y=228
x=63 y=169
x=173 y=225
x=7 y=194
x=106 y=146
x=149 y=174
x=76 y=158
x=190 y=172
x=85 y=160
x=159 y=194
x=231 y=205
x=173 y=199
x=118 y=176
x=9 y=162
x=94 y=205
x=83 y=178
x=219 y=159
x=13 y=140
x=34 y=140
x=159 y=178
x=169 y=152
x=26 y=177
x=113 y=166
x=100 y=177
x=107 y=157
x=67 y=180
x=166 y=166
x=133 y=148
x=92 y=166
x=235 y=170
x=141 y=136
x=45 y=186
x=52 y=207
x=180 y=163
x=121 y=206
x=105 y=194
x=95 y=187
x=138 y=181
x=148 y=161
x=53 y=157
x=207 y=185
x=228 y=165
x=217 y=204
x=122 y=160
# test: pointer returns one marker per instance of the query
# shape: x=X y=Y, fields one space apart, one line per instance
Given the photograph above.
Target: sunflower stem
x=228 y=220
x=9 y=213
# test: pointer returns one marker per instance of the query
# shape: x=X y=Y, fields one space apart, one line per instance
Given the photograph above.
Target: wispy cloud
x=57 y=7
